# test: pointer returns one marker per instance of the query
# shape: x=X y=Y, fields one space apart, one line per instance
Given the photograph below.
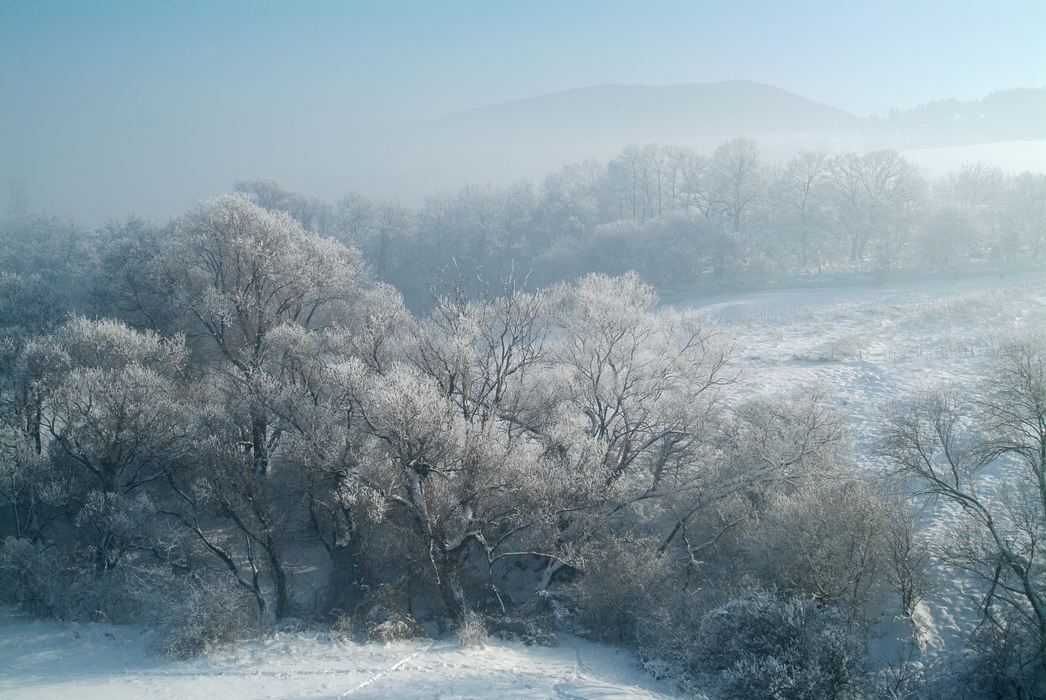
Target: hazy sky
x=152 y=104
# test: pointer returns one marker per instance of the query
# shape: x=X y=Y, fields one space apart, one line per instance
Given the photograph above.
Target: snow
x=869 y=344
x=872 y=345
x=1010 y=156
x=46 y=659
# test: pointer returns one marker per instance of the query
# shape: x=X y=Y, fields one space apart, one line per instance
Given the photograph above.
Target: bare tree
x=984 y=454
x=802 y=190
x=17 y=197
x=1029 y=212
x=739 y=177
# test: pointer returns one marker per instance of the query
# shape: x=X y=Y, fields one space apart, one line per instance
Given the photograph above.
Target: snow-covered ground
x=869 y=344
x=44 y=659
x=873 y=344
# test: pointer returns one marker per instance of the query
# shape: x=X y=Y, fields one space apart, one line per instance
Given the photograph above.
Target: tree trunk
x=259 y=443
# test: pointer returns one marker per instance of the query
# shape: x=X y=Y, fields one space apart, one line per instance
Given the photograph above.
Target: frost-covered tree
x=802 y=192
x=452 y=444
x=1029 y=212
x=876 y=199
x=96 y=423
x=643 y=382
x=739 y=180
x=238 y=274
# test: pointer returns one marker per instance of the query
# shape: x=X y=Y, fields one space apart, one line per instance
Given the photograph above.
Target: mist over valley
x=603 y=349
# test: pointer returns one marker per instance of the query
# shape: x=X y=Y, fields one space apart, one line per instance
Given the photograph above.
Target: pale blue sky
x=104 y=105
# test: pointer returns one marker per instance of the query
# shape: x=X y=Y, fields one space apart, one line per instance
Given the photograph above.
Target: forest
x=476 y=416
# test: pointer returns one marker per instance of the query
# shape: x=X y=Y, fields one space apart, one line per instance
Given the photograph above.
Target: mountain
x=643 y=112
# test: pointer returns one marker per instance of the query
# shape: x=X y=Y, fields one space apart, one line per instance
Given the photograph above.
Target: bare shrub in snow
x=626 y=588
x=387 y=621
x=343 y=627
x=826 y=540
x=33 y=579
x=391 y=626
x=472 y=631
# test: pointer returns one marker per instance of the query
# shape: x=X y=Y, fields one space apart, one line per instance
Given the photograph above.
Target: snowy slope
x=874 y=344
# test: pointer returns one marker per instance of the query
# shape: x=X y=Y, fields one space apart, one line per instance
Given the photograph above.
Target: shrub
x=342 y=627
x=625 y=588
x=34 y=580
x=392 y=626
x=763 y=645
x=472 y=631
x=387 y=621
x=1002 y=662
x=211 y=615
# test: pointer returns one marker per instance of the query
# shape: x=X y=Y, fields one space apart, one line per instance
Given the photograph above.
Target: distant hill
x=1005 y=115
x=643 y=112
x=528 y=139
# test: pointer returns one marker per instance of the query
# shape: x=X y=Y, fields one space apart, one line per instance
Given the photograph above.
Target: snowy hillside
x=873 y=344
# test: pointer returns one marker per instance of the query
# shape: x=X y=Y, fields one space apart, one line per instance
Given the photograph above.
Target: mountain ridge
x=619 y=112
x=616 y=111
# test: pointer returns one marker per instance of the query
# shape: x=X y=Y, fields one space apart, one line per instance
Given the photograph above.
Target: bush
x=342 y=627
x=472 y=631
x=212 y=615
x=387 y=621
x=763 y=645
x=825 y=540
x=627 y=588
x=392 y=626
x=34 y=580
x=1002 y=662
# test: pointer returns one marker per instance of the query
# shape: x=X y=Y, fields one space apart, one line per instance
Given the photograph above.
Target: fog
x=149 y=107
x=705 y=340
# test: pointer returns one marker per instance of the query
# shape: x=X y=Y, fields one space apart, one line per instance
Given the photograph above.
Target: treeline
x=677 y=217
x=673 y=215
x=227 y=422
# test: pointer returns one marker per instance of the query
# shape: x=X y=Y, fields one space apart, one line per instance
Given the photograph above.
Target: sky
x=111 y=106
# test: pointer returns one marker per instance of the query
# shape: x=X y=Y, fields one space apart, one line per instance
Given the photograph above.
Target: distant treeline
x=678 y=217
x=1004 y=115
x=675 y=216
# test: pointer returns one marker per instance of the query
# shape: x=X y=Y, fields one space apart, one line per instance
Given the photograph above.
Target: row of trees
x=675 y=215
x=237 y=423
